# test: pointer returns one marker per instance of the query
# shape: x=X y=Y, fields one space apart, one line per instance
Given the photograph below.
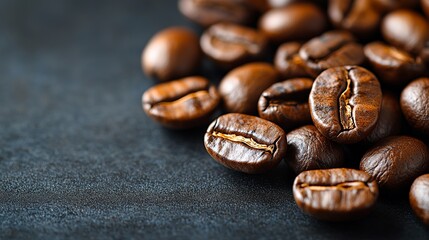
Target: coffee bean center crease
x=341 y=186
x=346 y=108
x=248 y=141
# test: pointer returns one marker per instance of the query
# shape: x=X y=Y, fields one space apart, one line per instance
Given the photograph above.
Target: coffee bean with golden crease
x=419 y=199
x=395 y=162
x=241 y=87
x=171 y=54
x=337 y=194
x=183 y=103
x=245 y=143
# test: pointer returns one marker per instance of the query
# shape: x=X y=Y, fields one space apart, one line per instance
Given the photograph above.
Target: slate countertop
x=79 y=159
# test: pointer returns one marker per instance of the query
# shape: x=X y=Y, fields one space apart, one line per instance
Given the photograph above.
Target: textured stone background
x=79 y=159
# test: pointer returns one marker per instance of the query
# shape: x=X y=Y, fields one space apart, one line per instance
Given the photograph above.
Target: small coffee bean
x=335 y=194
x=308 y=149
x=393 y=66
x=415 y=104
x=172 y=53
x=230 y=45
x=288 y=62
x=345 y=103
x=299 y=21
x=389 y=120
x=332 y=49
x=245 y=143
x=183 y=103
x=240 y=88
x=209 y=12
x=405 y=29
x=419 y=199
x=395 y=162
x=358 y=17
x=286 y=103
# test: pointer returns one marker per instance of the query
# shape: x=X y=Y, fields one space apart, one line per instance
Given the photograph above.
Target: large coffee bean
x=286 y=103
x=299 y=21
x=335 y=194
x=245 y=143
x=172 y=53
x=184 y=103
x=345 y=103
x=395 y=162
x=419 y=199
x=308 y=149
x=241 y=87
x=415 y=104
x=230 y=45
x=332 y=49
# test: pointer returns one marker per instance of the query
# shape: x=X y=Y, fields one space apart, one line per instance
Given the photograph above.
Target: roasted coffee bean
x=332 y=49
x=230 y=45
x=425 y=7
x=241 y=87
x=415 y=104
x=389 y=5
x=172 y=53
x=299 y=21
x=209 y=12
x=405 y=29
x=286 y=103
x=288 y=62
x=183 y=103
x=308 y=149
x=358 y=17
x=245 y=143
x=393 y=66
x=395 y=162
x=424 y=55
x=345 y=103
x=389 y=120
x=419 y=199
x=335 y=194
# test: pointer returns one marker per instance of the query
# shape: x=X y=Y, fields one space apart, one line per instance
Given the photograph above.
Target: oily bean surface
x=395 y=162
x=335 y=194
x=183 y=103
x=286 y=103
x=288 y=62
x=245 y=143
x=308 y=149
x=345 y=103
x=230 y=45
x=419 y=199
x=415 y=104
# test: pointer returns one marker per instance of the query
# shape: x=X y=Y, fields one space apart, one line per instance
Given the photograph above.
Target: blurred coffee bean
x=288 y=62
x=389 y=5
x=172 y=53
x=419 y=199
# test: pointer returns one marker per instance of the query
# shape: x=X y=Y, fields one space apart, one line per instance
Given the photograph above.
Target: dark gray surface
x=79 y=159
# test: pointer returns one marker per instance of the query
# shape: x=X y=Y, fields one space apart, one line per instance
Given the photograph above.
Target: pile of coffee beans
x=337 y=89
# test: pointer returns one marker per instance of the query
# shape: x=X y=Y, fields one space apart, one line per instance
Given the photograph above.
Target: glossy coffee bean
x=299 y=21
x=425 y=7
x=395 y=162
x=389 y=5
x=209 y=12
x=240 y=88
x=308 y=149
x=335 y=194
x=345 y=103
x=288 y=62
x=389 y=120
x=358 y=17
x=286 y=103
x=415 y=104
x=419 y=199
x=332 y=49
x=183 y=103
x=393 y=66
x=172 y=53
x=230 y=45
x=245 y=143
x=405 y=29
